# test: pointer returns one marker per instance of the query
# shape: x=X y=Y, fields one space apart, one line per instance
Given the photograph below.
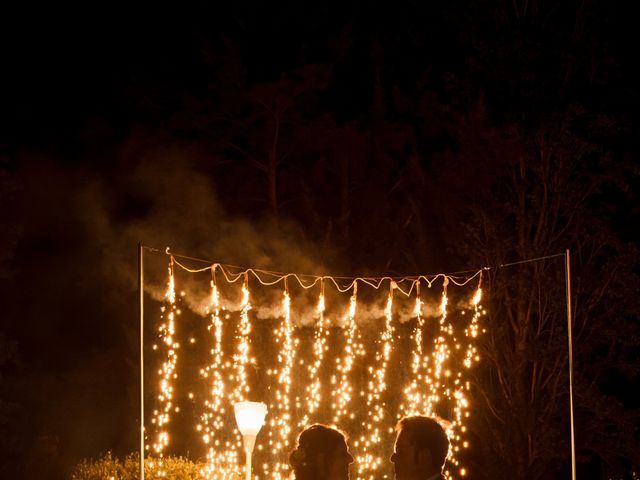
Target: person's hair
x=314 y=441
x=426 y=432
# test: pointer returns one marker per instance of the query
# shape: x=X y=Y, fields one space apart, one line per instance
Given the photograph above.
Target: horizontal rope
x=307 y=281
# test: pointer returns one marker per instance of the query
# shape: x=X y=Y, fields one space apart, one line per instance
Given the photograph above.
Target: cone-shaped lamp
x=250 y=418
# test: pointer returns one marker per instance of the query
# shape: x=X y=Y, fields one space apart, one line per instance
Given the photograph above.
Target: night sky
x=322 y=137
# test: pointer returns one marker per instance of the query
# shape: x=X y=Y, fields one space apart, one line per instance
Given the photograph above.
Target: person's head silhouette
x=321 y=454
x=420 y=450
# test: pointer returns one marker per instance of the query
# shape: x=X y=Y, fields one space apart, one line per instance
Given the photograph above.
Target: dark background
x=342 y=138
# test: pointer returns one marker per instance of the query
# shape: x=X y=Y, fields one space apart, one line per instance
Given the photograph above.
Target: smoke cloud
x=160 y=196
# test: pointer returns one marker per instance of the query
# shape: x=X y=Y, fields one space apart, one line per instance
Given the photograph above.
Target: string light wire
x=374 y=282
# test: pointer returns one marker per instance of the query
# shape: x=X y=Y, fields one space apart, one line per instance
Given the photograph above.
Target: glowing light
x=356 y=395
x=241 y=359
x=343 y=392
x=457 y=392
x=219 y=463
x=161 y=416
x=250 y=418
x=314 y=394
x=369 y=459
x=414 y=402
x=279 y=440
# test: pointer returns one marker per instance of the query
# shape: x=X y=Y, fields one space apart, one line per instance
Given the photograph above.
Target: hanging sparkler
x=370 y=459
x=314 y=395
x=438 y=379
x=342 y=392
x=167 y=372
x=436 y=371
x=242 y=359
x=462 y=385
x=280 y=424
x=413 y=402
x=222 y=454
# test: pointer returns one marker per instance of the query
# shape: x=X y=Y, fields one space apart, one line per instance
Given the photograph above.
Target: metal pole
x=247 y=470
x=567 y=273
x=249 y=443
x=141 y=293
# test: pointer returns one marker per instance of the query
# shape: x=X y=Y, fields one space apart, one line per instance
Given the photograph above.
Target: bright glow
x=342 y=393
x=241 y=359
x=414 y=401
x=280 y=432
x=369 y=457
x=219 y=463
x=250 y=417
x=313 y=392
x=357 y=397
x=167 y=373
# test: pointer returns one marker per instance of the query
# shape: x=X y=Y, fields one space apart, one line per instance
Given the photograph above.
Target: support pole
x=249 y=443
x=247 y=468
x=567 y=274
x=141 y=293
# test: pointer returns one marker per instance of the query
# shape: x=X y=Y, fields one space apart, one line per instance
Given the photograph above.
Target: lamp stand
x=249 y=443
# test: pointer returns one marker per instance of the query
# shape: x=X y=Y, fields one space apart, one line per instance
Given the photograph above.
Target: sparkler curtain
x=358 y=353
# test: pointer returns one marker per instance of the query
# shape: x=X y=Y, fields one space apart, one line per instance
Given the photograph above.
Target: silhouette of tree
x=544 y=197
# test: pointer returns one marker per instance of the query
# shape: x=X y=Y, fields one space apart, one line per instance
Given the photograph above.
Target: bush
x=108 y=467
